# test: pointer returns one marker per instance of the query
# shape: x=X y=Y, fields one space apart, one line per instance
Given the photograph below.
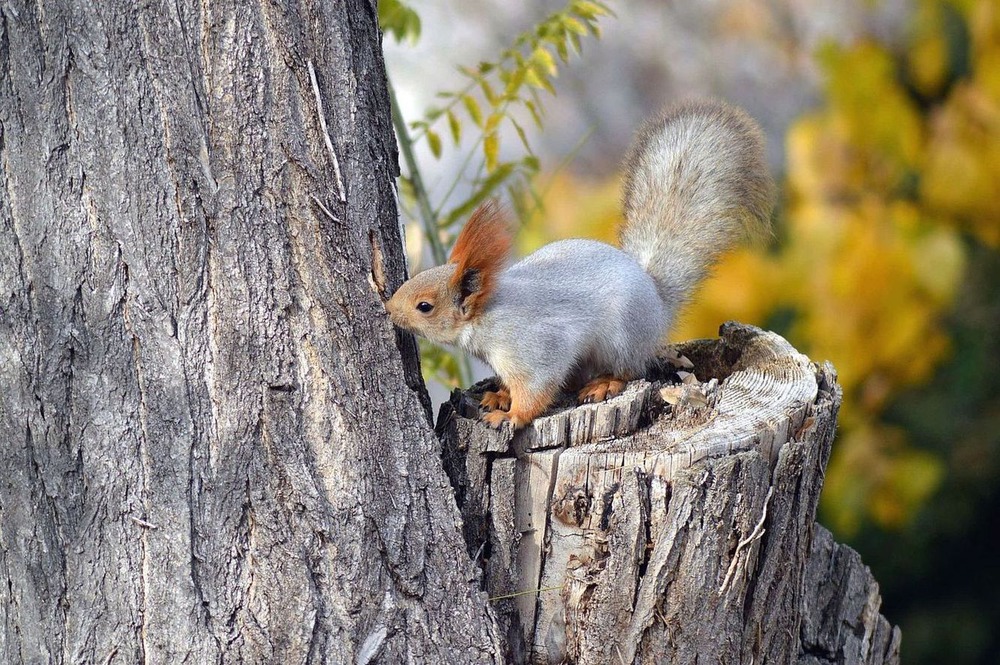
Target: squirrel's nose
x=392 y=309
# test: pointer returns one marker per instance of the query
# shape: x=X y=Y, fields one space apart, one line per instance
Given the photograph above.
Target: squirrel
x=581 y=314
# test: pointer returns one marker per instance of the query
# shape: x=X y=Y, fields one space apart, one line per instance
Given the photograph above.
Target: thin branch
x=757 y=533
x=324 y=208
x=326 y=131
x=458 y=179
x=538 y=195
x=525 y=593
x=144 y=523
x=413 y=172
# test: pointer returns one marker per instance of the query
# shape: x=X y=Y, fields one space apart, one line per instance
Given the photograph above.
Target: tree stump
x=673 y=523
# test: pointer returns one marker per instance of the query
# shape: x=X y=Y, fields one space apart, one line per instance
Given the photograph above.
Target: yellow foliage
x=863 y=296
x=573 y=209
x=962 y=179
x=870 y=122
x=880 y=185
x=928 y=55
x=745 y=286
x=875 y=472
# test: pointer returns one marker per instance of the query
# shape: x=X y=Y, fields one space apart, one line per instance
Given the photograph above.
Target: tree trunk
x=674 y=523
x=215 y=448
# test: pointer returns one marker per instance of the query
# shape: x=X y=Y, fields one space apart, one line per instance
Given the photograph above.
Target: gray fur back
x=696 y=183
x=573 y=306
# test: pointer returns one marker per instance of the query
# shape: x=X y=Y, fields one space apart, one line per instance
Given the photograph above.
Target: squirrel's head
x=427 y=306
x=439 y=302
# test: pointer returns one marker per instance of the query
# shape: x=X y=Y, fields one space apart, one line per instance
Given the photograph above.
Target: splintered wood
x=669 y=524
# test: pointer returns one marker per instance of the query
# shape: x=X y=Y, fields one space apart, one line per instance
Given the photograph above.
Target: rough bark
x=213 y=446
x=673 y=523
x=841 y=623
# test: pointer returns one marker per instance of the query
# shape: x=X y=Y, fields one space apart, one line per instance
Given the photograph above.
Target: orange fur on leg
x=494 y=400
x=525 y=406
x=601 y=388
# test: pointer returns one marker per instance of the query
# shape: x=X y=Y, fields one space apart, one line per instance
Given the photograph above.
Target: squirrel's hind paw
x=601 y=388
x=494 y=401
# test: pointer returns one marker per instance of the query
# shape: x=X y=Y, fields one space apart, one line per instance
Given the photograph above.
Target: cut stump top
x=752 y=390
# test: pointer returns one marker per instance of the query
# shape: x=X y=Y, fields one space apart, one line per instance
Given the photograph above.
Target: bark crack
x=646 y=499
x=549 y=494
x=144 y=458
x=12 y=599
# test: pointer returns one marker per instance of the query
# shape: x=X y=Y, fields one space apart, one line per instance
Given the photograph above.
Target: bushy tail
x=696 y=183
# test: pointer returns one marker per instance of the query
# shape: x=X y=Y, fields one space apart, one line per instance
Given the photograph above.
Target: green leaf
x=492 y=122
x=434 y=141
x=411 y=25
x=538 y=79
x=486 y=189
x=544 y=61
x=491 y=150
x=559 y=42
x=536 y=98
x=406 y=187
x=455 y=127
x=488 y=92
x=535 y=113
x=521 y=134
x=399 y=20
x=575 y=40
x=590 y=10
x=472 y=106
x=514 y=82
x=438 y=363
x=574 y=26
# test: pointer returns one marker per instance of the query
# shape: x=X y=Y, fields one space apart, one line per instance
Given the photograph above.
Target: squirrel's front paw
x=496 y=419
x=522 y=405
x=493 y=401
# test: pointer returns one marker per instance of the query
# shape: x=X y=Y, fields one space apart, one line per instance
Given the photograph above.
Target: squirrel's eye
x=424 y=307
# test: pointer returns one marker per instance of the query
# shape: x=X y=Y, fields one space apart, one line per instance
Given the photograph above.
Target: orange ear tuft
x=480 y=253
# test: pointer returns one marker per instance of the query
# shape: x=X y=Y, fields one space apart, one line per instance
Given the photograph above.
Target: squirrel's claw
x=600 y=389
x=496 y=419
x=493 y=401
x=522 y=405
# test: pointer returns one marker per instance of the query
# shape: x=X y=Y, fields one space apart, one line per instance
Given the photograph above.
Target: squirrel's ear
x=470 y=284
x=480 y=252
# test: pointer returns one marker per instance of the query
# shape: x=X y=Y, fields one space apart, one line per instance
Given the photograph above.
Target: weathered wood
x=670 y=524
x=213 y=445
x=841 y=623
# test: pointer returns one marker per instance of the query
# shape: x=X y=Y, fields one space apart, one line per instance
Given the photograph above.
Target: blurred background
x=883 y=125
